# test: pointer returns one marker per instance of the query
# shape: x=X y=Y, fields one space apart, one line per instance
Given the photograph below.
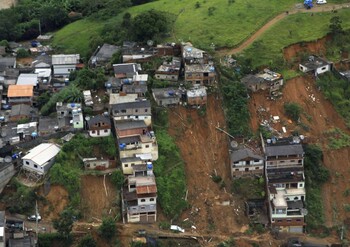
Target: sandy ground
x=4 y=4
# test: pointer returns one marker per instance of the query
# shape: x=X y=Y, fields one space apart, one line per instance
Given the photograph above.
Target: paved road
x=257 y=34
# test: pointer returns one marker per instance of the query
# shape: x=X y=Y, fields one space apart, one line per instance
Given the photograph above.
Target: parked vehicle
x=321 y=1
x=34 y=217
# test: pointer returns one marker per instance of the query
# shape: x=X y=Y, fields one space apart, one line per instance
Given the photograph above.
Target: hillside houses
x=265 y=80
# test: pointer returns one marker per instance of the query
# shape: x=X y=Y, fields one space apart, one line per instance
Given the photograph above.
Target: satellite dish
x=150 y=42
x=304 y=211
x=234 y=144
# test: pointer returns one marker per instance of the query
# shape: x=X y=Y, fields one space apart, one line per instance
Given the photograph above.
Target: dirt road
x=258 y=33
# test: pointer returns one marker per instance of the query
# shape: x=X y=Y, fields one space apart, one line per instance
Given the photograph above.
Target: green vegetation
x=293 y=110
x=249 y=188
x=316 y=175
x=22 y=53
x=85 y=79
x=87 y=241
x=169 y=169
x=48 y=239
x=108 y=229
x=64 y=224
x=117 y=178
x=337 y=91
x=267 y=50
x=228 y=243
x=235 y=102
x=337 y=139
x=22 y=201
x=203 y=23
x=68 y=165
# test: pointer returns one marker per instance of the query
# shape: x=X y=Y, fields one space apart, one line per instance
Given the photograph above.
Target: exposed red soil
x=204 y=149
x=57 y=200
x=317 y=47
x=95 y=202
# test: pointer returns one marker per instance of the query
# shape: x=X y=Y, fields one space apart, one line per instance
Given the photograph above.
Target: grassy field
x=293 y=29
x=75 y=37
x=228 y=25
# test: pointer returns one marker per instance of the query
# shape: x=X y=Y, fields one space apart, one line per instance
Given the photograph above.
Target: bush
x=117 y=178
x=23 y=53
x=107 y=229
x=293 y=110
x=87 y=241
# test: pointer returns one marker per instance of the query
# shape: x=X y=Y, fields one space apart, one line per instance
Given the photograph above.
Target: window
x=143 y=200
x=146 y=110
x=123 y=111
x=299 y=161
x=105 y=131
x=247 y=169
x=136 y=110
x=279 y=220
x=88 y=165
x=77 y=123
x=151 y=199
x=126 y=165
x=27 y=162
x=93 y=132
x=35 y=166
x=237 y=170
x=256 y=161
x=300 y=185
x=298 y=220
x=324 y=68
x=143 y=208
x=296 y=198
x=147 y=146
x=257 y=168
x=289 y=220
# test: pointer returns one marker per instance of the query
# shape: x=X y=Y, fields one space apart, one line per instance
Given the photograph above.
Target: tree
x=87 y=241
x=118 y=178
x=335 y=25
x=293 y=110
x=22 y=53
x=64 y=223
x=107 y=229
x=150 y=24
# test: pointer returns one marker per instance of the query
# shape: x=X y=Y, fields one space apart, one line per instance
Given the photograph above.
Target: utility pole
x=36 y=221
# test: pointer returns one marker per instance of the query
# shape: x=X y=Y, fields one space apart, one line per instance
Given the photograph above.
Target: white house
x=40 y=159
x=63 y=64
x=316 y=65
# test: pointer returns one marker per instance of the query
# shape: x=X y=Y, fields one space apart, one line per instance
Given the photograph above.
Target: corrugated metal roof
x=146 y=189
x=244 y=154
x=27 y=79
x=42 y=153
x=20 y=91
x=294 y=149
x=65 y=59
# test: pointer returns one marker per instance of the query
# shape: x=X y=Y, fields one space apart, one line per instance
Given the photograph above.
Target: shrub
x=293 y=110
x=107 y=229
x=22 y=53
x=87 y=241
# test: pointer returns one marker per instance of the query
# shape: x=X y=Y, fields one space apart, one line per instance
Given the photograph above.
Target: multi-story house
x=138 y=144
x=285 y=181
x=20 y=94
x=64 y=64
x=69 y=114
x=244 y=163
x=137 y=110
x=169 y=71
x=129 y=163
x=265 y=80
x=198 y=68
x=99 y=126
x=140 y=196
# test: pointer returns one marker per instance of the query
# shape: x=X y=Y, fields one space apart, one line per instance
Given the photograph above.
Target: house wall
x=167 y=101
x=149 y=217
x=144 y=111
x=130 y=132
x=96 y=164
x=201 y=100
x=133 y=152
x=127 y=167
x=6 y=175
x=100 y=133
x=247 y=171
x=147 y=201
x=29 y=165
x=303 y=68
x=293 y=161
x=199 y=78
x=323 y=69
x=167 y=77
x=21 y=100
x=146 y=118
x=63 y=70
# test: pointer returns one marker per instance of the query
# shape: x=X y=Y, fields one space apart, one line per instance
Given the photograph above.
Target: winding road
x=258 y=33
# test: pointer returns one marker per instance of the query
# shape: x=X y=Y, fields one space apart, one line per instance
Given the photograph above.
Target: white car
x=321 y=1
x=34 y=217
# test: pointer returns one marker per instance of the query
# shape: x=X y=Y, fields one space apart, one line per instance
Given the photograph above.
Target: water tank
x=108 y=85
x=302 y=137
x=171 y=92
x=72 y=104
x=149 y=166
x=189 y=49
x=268 y=141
